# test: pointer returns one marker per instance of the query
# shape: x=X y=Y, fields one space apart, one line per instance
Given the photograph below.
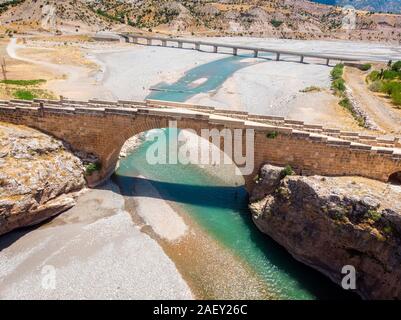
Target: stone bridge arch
x=103 y=129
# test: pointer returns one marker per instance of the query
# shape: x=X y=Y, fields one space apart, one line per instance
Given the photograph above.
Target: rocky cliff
x=39 y=177
x=330 y=222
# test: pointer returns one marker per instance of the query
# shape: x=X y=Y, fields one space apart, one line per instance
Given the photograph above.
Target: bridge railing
x=235 y=47
x=127 y=107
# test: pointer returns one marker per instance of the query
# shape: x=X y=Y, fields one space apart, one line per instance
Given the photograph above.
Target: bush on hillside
x=396 y=66
x=376 y=86
x=337 y=71
x=338 y=85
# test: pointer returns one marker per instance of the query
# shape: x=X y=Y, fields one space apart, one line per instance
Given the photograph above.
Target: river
x=219 y=208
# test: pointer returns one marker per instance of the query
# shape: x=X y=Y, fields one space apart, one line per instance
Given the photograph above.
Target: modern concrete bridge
x=180 y=42
x=102 y=127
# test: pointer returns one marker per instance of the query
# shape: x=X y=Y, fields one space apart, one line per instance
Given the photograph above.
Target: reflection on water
x=222 y=211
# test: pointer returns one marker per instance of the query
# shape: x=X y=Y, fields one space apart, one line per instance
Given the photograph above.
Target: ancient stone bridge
x=102 y=127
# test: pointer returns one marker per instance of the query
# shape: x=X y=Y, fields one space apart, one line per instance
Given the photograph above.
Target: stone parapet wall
x=101 y=127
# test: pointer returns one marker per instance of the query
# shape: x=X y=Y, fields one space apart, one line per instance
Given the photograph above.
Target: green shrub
x=346 y=103
x=23 y=82
x=396 y=66
x=390 y=74
x=390 y=87
x=311 y=89
x=272 y=135
x=338 y=85
x=396 y=97
x=24 y=95
x=287 y=171
x=373 y=215
x=376 y=86
x=337 y=71
x=365 y=67
x=276 y=23
x=374 y=75
x=92 y=167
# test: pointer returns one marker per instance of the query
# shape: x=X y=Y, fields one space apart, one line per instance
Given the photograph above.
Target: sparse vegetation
x=92 y=168
x=287 y=171
x=339 y=88
x=337 y=71
x=387 y=82
x=365 y=67
x=24 y=82
x=272 y=135
x=276 y=23
x=311 y=89
x=373 y=215
x=24 y=94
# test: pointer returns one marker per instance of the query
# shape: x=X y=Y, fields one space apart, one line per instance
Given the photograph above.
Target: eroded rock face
x=39 y=177
x=330 y=222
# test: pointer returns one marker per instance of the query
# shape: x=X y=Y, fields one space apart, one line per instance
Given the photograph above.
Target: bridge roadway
x=136 y=38
x=102 y=127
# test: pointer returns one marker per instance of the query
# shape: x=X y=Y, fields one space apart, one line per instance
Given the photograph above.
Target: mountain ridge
x=293 y=19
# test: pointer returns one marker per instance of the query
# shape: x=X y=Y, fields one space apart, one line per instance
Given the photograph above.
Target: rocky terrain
x=330 y=222
x=294 y=19
x=368 y=5
x=39 y=177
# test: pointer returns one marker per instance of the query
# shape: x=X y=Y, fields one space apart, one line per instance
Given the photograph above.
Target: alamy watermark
x=48 y=277
x=187 y=147
x=348 y=282
x=349 y=18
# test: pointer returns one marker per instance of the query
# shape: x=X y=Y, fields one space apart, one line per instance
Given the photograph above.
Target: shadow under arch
x=395 y=178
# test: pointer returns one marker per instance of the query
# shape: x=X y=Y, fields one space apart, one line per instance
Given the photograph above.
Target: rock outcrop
x=331 y=222
x=39 y=177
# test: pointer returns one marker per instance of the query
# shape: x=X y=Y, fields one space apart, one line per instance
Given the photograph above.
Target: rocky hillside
x=71 y=16
x=368 y=5
x=39 y=177
x=330 y=222
x=298 y=19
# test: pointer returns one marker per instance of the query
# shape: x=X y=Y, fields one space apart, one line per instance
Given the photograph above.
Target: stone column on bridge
x=255 y=53
x=302 y=59
x=164 y=43
x=277 y=56
x=235 y=51
x=149 y=42
x=197 y=46
x=179 y=44
x=327 y=61
x=215 y=48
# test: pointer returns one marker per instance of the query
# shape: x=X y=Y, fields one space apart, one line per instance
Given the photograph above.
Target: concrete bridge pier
x=255 y=53
x=149 y=42
x=302 y=59
x=277 y=57
x=197 y=46
x=235 y=51
x=327 y=62
x=215 y=48
x=179 y=44
x=164 y=43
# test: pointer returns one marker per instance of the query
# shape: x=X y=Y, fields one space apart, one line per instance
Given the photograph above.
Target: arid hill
x=299 y=19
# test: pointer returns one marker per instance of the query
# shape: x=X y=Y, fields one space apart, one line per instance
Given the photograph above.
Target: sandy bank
x=95 y=252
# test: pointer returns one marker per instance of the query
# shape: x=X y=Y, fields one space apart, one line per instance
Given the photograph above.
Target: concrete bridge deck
x=102 y=127
x=149 y=40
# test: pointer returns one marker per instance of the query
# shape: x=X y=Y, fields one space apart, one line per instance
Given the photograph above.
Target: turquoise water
x=220 y=208
x=222 y=211
x=216 y=72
